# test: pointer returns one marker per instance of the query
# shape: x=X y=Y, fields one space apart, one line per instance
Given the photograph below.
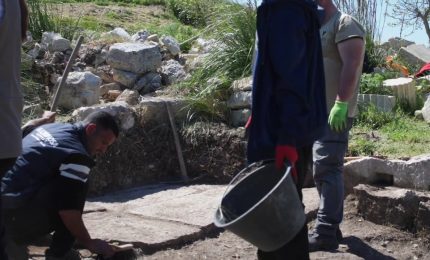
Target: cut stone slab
x=383 y=103
x=160 y=216
x=412 y=174
x=415 y=54
x=391 y=206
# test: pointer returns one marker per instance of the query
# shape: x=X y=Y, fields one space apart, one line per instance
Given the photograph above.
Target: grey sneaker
x=322 y=243
x=72 y=254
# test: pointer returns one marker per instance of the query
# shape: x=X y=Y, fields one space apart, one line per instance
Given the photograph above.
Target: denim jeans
x=328 y=159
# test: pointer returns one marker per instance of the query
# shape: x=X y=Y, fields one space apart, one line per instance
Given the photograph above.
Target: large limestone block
x=134 y=57
x=120 y=110
x=415 y=54
x=55 y=42
x=152 y=110
x=403 y=89
x=414 y=173
x=390 y=205
x=81 y=89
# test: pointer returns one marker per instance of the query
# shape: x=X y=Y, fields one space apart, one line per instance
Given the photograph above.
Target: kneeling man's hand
x=99 y=246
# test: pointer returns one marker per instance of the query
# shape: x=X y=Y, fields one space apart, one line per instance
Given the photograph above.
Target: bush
x=370 y=116
x=44 y=17
x=372 y=84
x=192 y=12
x=234 y=31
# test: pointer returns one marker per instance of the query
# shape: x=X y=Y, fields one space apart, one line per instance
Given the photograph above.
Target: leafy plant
x=362 y=147
x=371 y=117
x=192 y=12
x=372 y=84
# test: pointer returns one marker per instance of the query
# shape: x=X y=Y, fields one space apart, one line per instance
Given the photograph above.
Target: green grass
x=403 y=137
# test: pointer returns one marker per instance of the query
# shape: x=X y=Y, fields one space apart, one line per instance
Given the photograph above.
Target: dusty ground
x=362 y=240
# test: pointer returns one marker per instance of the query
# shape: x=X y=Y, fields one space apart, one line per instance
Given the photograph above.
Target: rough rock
x=120 y=110
x=101 y=57
x=126 y=78
x=104 y=72
x=391 y=206
x=37 y=52
x=150 y=82
x=81 y=89
x=140 y=36
x=240 y=117
x=172 y=72
x=153 y=38
x=89 y=55
x=118 y=34
x=426 y=110
x=129 y=96
x=171 y=45
x=196 y=62
x=244 y=84
x=415 y=54
x=104 y=89
x=423 y=217
x=152 y=110
x=240 y=100
x=203 y=46
x=134 y=57
x=412 y=174
x=55 y=42
x=112 y=95
x=396 y=43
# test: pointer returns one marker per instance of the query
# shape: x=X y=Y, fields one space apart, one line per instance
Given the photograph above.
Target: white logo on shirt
x=44 y=137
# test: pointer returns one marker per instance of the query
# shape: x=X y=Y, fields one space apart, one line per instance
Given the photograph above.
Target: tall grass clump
x=47 y=17
x=234 y=31
x=370 y=116
x=192 y=12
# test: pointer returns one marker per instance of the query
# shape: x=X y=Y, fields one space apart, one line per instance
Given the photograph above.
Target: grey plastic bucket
x=262 y=206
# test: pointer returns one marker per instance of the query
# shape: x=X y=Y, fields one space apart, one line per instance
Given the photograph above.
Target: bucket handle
x=235 y=178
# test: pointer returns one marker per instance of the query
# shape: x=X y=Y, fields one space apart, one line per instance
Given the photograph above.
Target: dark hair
x=104 y=120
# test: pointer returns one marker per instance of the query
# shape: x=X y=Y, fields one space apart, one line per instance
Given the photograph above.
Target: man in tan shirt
x=343 y=45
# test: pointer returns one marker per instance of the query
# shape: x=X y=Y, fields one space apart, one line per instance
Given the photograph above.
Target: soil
x=362 y=240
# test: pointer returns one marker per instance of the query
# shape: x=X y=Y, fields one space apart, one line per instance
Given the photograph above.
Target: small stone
x=113 y=94
x=153 y=38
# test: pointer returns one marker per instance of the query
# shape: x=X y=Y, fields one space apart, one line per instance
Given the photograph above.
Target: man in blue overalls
x=288 y=108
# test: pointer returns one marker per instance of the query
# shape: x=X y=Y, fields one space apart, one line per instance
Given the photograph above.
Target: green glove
x=338 y=115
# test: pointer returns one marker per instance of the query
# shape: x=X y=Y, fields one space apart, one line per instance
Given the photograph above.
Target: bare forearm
x=348 y=81
x=72 y=219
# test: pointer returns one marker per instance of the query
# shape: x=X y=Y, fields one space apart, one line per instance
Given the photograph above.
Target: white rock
x=129 y=96
x=244 y=84
x=54 y=42
x=81 y=89
x=120 y=110
x=134 y=57
x=124 y=77
x=118 y=34
x=172 y=72
x=171 y=45
x=140 y=36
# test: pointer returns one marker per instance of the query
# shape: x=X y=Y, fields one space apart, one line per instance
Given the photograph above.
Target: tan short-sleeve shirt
x=339 y=28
